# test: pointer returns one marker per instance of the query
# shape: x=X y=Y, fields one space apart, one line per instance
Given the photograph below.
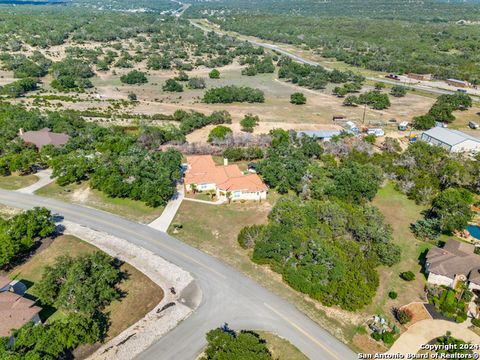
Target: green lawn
x=14 y=182
x=142 y=293
x=399 y=212
x=84 y=195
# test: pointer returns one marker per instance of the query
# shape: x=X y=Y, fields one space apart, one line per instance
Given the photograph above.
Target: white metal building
x=452 y=140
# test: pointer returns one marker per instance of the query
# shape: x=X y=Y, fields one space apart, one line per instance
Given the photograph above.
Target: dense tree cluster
x=259 y=66
x=224 y=343
x=243 y=153
x=80 y=287
x=19 y=234
x=134 y=77
x=327 y=249
x=314 y=77
x=116 y=162
x=439 y=47
x=232 y=93
x=442 y=110
x=190 y=121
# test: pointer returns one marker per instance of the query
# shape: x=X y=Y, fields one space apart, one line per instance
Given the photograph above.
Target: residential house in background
x=325 y=135
x=455 y=262
x=226 y=181
x=15 y=309
x=452 y=140
x=457 y=83
x=43 y=137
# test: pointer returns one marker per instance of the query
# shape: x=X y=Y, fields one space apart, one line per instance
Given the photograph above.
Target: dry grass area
x=14 y=182
x=280 y=348
x=141 y=293
x=418 y=312
x=7 y=212
x=82 y=194
x=399 y=212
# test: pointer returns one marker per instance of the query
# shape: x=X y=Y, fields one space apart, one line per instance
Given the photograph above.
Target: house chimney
x=20 y=132
x=225 y=162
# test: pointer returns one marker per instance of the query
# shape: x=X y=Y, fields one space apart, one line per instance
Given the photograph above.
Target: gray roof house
x=319 y=134
x=452 y=140
x=455 y=261
x=43 y=137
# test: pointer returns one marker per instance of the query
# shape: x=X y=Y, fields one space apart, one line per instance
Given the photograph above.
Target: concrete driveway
x=426 y=330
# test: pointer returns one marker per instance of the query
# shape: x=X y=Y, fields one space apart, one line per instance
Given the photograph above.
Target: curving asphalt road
x=314 y=63
x=226 y=295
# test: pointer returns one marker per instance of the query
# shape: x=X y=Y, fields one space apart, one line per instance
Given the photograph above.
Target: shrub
x=218 y=133
x=388 y=338
x=214 y=74
x=461 y=317
x=392 y=295
x=196 y=83
x=230 y=94
x=407 y=276
x=172 y=86
x=403 y=316
x=249 y=122
x=248 y=235
x=134 y=77
x=298 y=98
x=398 y=91
x=182 y=76
x=476 y=322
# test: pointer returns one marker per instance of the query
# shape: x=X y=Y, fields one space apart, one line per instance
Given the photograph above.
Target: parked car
x=473 y=125
x=377 y=132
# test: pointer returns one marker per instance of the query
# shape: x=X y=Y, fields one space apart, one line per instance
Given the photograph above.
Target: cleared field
x=84 y=195
x=141 y=293
x=14 y=182
x=400 y=212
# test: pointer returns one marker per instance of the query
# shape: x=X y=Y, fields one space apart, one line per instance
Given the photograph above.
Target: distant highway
x=227 y=295
x=314 y=63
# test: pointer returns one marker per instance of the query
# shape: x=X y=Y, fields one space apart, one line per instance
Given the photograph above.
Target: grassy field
x=14 y=182
x=280 y=348
x=400 y=212
x=142 y=293
x=84 y=195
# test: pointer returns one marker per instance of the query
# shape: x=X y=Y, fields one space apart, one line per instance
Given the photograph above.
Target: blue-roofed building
x=320 y=134
x=452 y=140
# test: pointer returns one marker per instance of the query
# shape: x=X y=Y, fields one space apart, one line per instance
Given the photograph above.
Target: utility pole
x=364 y=112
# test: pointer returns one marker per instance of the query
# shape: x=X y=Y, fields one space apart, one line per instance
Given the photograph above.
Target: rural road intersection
x=227 y=295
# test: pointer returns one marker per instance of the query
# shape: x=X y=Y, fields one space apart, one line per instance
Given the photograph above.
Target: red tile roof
x=202 y=170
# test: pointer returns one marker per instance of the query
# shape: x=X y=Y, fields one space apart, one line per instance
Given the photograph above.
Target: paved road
x=314 y=63
x=227 y=296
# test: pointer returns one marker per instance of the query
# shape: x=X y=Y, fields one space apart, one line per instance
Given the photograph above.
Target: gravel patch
x=165 y=316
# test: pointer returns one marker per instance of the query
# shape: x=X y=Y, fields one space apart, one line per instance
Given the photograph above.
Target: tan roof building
x=206 y=176
x=44 y=137
x=15 y=310
x=455 y=260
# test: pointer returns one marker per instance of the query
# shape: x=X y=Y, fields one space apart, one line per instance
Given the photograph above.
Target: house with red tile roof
x=227 y=181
